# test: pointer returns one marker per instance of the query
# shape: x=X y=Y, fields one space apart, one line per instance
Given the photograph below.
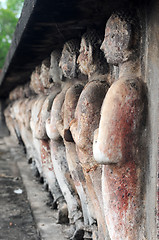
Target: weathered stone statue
x=87 y=115
x=15 y=118
x=41 y=135
x=17 y=113
x=76 y=80
x=26 y=133
x=57 y=146
x=118 y=141
x=35 y=110
x=20 y=114
x=39 y=84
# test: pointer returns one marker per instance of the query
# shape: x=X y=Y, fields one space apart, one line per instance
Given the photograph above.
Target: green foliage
x=8 y=21
x=15 y=6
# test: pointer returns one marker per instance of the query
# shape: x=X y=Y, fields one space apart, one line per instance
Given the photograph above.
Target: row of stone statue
x=84 y=131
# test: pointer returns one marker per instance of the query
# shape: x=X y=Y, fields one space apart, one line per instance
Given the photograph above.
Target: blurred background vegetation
x=9 y=14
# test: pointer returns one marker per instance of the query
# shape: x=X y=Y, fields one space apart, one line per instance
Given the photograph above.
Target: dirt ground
x=16 y=220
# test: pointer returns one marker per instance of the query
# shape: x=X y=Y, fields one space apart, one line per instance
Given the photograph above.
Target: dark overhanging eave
x=45 y=25
x=6 y=81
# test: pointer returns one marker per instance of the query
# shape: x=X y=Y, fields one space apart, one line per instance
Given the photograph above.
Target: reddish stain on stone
x=122 y=179
x=123 y=201
x=46 y=155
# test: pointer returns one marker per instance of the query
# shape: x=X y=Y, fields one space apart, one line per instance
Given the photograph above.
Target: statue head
x=121 y=39
x=18 y=92
x=35 y=83
x=91 y=58
x=68 y=61
x=27 y=92
x=55 y=72
x=44 y=74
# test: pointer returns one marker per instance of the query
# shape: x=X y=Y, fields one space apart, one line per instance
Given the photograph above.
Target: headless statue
x=118 y=141
x=87 y=115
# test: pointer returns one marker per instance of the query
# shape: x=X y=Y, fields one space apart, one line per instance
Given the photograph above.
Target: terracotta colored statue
x=87 y=115
x=118 y=141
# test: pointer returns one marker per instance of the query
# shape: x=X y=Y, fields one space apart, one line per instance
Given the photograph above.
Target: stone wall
x=151 y=76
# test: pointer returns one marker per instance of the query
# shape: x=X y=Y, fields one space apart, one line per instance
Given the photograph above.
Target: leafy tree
x=15 y=6
x=8 y=21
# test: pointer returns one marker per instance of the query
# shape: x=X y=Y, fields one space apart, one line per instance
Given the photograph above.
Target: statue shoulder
x=126 y=86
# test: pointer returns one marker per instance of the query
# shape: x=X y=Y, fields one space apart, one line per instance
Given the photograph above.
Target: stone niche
x=79 y=173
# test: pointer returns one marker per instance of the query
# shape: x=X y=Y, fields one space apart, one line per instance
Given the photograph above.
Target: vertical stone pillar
x=151 y=76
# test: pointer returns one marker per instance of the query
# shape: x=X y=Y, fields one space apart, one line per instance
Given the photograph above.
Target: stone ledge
x=45 y=218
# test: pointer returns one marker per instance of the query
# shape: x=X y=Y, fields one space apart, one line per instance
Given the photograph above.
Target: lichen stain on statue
x=87 y=115
x=118 y=141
